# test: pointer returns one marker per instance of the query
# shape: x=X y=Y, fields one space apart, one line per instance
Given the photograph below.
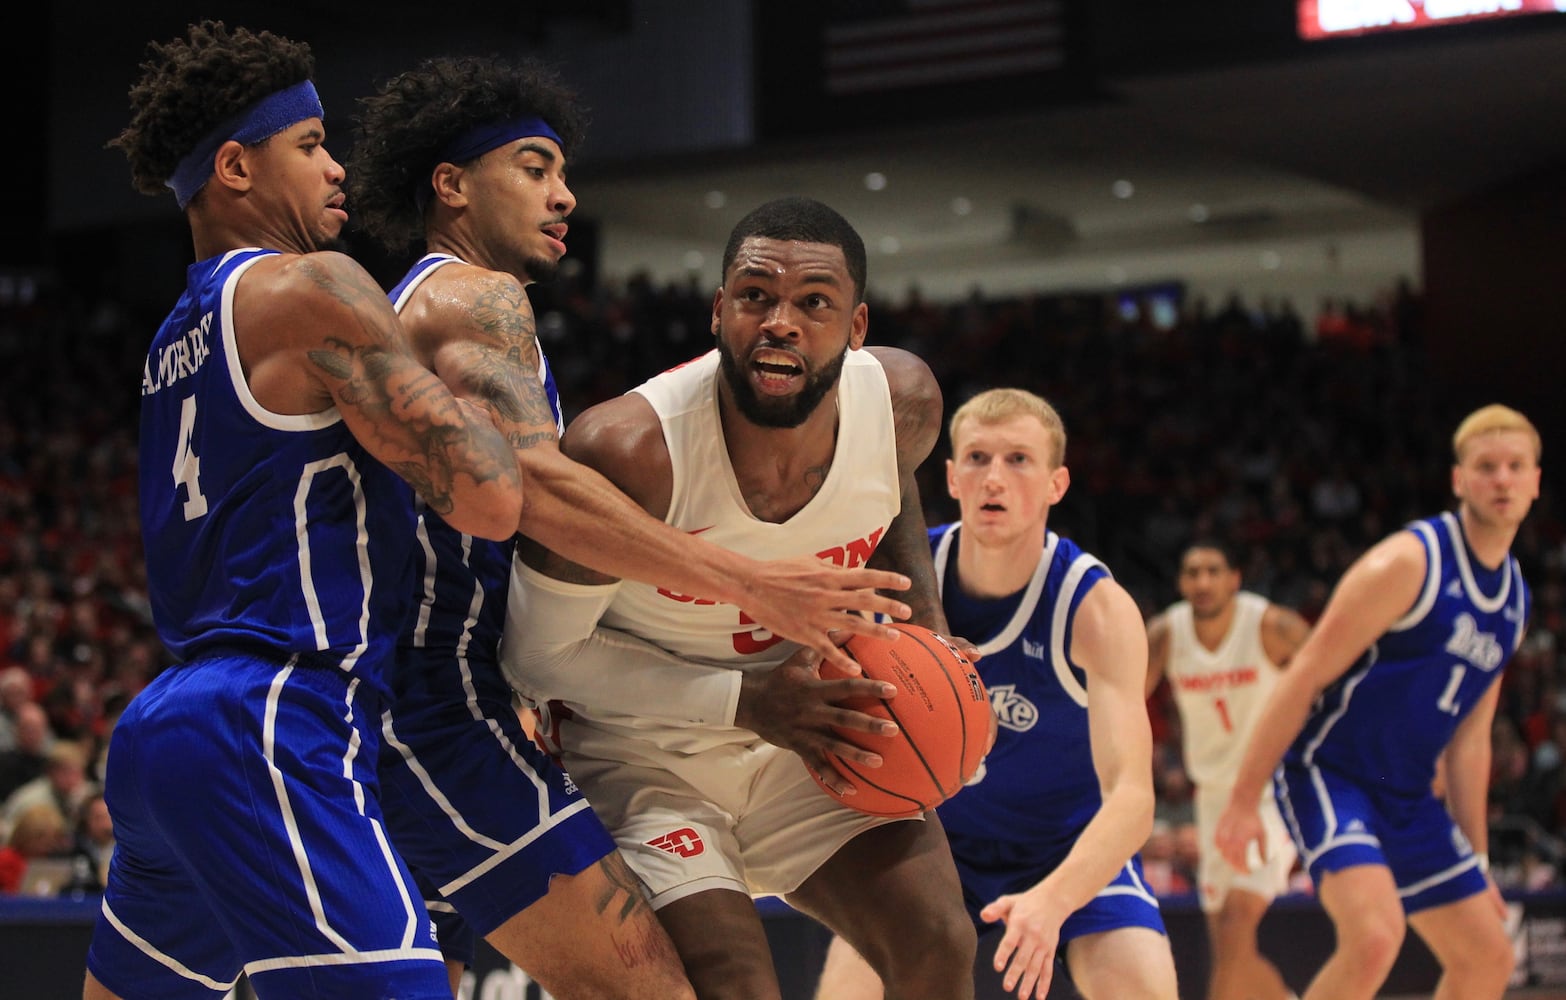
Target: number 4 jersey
x=264 y=532
x=1387 y=720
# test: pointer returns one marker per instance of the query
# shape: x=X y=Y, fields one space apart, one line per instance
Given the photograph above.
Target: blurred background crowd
x=1302 y=441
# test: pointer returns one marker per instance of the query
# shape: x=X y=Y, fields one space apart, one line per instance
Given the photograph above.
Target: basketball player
x=1222 y=649
x=1045 y=836
x=1400 y=673
x=279 y=397
x=469 y=156
x=790 y=438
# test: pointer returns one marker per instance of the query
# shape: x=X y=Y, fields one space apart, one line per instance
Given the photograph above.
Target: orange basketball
x=945 y=724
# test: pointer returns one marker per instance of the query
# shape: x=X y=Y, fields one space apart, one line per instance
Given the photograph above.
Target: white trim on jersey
x=1057 y=630
x=427 y=586
x=344 y=958
x=1404 y=892
x=162 y=958
x=1489 y=605
x=1432 y=587
x=1137 y=888
x=1309 y=757
x=1030 y=598
x=286 y=810
x=236 y=370
x=361 y=545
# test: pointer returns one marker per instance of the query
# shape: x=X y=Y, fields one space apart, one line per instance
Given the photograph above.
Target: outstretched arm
x=338 y=340
x=1374 y=593
x=1109 y=645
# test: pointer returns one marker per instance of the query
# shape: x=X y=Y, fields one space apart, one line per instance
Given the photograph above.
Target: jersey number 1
x=1449 y=703
x=187 y=464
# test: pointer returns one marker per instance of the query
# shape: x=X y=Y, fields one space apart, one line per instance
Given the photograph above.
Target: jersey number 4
x=187 y=464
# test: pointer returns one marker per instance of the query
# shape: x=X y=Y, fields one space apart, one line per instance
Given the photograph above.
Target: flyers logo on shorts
x=684 y=843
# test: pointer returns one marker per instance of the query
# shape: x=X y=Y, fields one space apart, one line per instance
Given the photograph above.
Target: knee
x=1488 y=957
x=1373 y=942
x=930 y=949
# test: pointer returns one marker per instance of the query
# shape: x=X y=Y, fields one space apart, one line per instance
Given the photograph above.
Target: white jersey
x=843 y=523
x=1219 y=692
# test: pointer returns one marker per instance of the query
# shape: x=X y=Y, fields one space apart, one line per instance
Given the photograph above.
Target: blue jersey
x=1387 y=720
x=1037 y=788
x=268 y=533
x=461 y=581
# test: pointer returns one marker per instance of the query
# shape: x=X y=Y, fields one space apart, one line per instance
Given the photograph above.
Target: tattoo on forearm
x=432 y=431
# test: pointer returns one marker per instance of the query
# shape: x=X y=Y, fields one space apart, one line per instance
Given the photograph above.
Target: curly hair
x=191 y=85
x=405 y=124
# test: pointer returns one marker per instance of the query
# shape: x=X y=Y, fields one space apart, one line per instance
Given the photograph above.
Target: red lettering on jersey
x=686 y=598
x=856 y=553
x=1223 y=679
x=684 y=842
x=753 y=640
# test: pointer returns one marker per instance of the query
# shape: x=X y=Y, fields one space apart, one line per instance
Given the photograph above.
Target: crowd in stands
x=1302 y=442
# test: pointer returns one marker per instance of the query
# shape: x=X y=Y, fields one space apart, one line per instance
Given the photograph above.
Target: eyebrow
x=533 y=147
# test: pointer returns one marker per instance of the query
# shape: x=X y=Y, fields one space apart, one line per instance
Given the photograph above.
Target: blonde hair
x=1490 y=420
x=995 y=405
x=38 y=830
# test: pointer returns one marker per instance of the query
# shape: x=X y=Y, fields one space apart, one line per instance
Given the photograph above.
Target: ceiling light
x=1270 y=261
x=875 y=181
x=1198 y=213
x=715 y=199
x=694 y=259
x=1117 y=275
x=890 y=244
x=1122 y=189
x=962 y=206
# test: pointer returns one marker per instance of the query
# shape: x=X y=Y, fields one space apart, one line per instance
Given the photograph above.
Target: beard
x=541 y=268
x=777 y=411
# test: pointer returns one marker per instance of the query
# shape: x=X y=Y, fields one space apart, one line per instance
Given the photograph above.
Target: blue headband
x=480 y=139
x=264 y=119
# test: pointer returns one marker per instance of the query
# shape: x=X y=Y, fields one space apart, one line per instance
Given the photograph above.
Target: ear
x=951 y=479
x=230 y=166
x=860 y=326
x=447 y=182
x=717 y=310
x=1059 y=483
x=1457 y=481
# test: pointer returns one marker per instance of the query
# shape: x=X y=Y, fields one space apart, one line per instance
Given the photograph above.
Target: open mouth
x=775 y=371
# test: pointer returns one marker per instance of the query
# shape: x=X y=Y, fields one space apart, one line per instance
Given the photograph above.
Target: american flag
x=880 y=45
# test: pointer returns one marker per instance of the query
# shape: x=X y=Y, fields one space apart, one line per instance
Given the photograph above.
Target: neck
x=1490 y=543
x=999 y=569
x=1210 y=631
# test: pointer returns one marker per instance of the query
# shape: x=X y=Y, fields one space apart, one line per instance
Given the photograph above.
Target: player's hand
x=791 y=706
x=1026 y=954
x=820 y=605
x=1239 y=828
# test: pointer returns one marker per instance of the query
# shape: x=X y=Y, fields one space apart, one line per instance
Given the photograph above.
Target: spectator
x=39 y=833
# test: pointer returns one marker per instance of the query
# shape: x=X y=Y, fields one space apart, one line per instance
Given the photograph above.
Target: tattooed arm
x=476 y=328
x=316 y=331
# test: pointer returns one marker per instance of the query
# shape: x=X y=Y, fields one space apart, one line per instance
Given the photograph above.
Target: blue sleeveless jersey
x=1386 y=721
x=268 y=533
x=1037 y=788
x=460 y=581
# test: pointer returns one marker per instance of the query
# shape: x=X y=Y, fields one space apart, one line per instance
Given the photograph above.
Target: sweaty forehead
x=764 y=255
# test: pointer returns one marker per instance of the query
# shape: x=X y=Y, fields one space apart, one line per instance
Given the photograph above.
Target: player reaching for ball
x=1046 y=835
x=676 y=715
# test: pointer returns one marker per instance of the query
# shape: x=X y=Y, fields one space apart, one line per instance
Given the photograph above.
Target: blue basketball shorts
x=249 y=838
x=1338 y=823
x=1125 y=902
x=483 y=815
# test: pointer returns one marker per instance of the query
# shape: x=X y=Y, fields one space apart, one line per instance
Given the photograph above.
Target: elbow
x=492 y=512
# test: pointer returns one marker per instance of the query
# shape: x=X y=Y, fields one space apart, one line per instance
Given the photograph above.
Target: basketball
x=945 y=724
